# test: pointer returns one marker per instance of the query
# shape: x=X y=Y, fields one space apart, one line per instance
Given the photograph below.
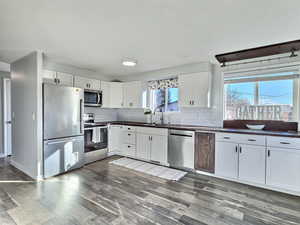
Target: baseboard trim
x=23 y=169
x=264 y=186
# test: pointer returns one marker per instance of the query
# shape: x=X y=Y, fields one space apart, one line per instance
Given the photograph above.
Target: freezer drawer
x=61 y=155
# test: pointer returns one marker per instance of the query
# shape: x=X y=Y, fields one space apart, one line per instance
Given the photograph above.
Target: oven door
x=95 y=138
x=92 y=98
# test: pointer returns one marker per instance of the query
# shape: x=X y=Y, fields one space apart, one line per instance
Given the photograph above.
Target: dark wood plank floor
x=102 y=193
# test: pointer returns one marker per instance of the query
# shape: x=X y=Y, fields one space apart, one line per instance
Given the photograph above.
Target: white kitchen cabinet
x=129 y=150
x=65 y=79
x=86 y=83
x=115 y=138
x=58 y=78
x=195 y=89
x=152 y=144
x=116 y=95
x=226 y=159
x=143 y=146
x=105 y=88
x=159 y=149
x=49 y=77
x=132 y=94
x=283 y=166
x=252 y=162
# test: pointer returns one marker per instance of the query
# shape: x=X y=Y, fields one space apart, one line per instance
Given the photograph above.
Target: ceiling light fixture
x=129 y=63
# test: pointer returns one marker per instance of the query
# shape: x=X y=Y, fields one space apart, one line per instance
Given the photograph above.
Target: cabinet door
x=132 y=94
x=226 y=159
x=252 y=163
x=185 y=90
x=65 y=79
x=116 y=95
x=49 y=77
x=194 y=89
x=94 y=84
x=143 y=146
x=283 y=166
x=159 y=149
x=201 y=89
x=81 y=82
x=115 y=138
x=105 y=94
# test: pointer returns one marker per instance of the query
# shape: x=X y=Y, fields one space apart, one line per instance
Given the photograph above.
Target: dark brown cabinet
x=205 y=152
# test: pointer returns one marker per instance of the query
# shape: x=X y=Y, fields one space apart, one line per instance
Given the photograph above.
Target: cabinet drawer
x=129 y=138
x=283 y=142
x=153 y=131
x=129 y=128
x=128 y=150
x=242 y=138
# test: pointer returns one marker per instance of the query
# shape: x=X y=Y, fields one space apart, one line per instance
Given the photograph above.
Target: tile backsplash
x=202 y=117
x=102 y=115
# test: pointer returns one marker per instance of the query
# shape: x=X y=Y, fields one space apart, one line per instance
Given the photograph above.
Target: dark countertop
x=201 y=128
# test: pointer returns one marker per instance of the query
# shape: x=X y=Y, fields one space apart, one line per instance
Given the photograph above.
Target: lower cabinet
x=152 y=147
x=252 y=163
x=241 y=161
x=283 y=168
x=226 y=159
x=159 y=149
x=115 y=138
x=143 y=146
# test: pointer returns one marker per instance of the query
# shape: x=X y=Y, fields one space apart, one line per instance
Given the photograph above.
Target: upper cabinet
x=52 y=77
x=105 y=88
x=195 y=89
x=132 y=94
x=86 y=83
x=115 y=95
x=65 y=79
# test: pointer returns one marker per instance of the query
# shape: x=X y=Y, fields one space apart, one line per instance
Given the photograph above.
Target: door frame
x=6 y=145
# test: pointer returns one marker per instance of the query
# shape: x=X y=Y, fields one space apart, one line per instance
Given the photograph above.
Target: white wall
x=2 y=75
x=27 y=114
x=195 y=116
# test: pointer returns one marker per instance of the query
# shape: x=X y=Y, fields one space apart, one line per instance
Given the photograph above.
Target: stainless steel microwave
x=92 y=98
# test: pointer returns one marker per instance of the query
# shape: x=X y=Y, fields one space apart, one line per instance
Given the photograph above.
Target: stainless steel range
x=95 y=139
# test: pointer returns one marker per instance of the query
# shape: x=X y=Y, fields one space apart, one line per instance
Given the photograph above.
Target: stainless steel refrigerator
x=63 y=129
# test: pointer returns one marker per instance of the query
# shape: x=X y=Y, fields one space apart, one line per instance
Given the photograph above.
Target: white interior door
x=7 y=116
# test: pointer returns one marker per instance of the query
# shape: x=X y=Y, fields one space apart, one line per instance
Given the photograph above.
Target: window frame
x=296 y=91
x=152 y=97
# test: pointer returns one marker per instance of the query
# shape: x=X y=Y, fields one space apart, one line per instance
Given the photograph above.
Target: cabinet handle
x=285 y=143
x=193 y=102
x=251 y=140
x=240 y=149
x=150 y=138
x=226 y=137
x=128 y=146
x=236 y=149
x=269 y=153
x=129 y=134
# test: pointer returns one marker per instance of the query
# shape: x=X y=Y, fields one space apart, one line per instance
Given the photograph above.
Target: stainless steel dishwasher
x=181 y=149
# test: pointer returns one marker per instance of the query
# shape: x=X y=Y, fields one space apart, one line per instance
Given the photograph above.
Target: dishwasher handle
x=181 y=135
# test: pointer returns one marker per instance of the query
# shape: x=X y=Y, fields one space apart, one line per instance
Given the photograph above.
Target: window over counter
x=163 y=95
x=272 y=96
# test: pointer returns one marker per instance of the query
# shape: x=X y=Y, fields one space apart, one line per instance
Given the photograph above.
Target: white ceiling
x=98 y=34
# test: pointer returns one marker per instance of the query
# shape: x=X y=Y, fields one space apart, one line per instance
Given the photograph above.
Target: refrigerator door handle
x=80 y=116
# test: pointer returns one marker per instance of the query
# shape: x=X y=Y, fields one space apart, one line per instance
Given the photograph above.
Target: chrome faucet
x=161 y=117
